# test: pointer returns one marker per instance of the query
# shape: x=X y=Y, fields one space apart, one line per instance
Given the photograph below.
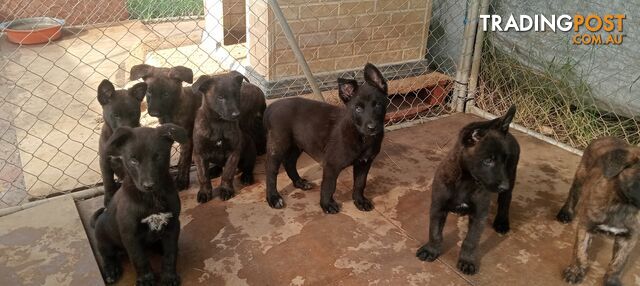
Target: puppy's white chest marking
x=157 y=221
x=612 y=229
x=219 y=143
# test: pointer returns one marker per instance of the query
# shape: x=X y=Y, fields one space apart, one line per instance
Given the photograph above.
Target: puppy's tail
x=95 y=216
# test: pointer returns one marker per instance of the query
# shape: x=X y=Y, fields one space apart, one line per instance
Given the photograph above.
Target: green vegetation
x=554 y=100
x=151 y=9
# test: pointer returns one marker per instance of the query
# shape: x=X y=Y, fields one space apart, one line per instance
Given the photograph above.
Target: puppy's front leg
x=468 y=261
x=170 y=254
x=437 y=218
x=108 y=181
x=327 y=188
x=360 y=172
x=205 y=193
x=501 y=221
x=566 y=213
x=575 y=272
x=137 y=255
x=621 y=250
x=184 y=165
x=229 y=171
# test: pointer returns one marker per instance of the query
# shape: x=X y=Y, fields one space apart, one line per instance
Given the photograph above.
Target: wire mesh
x=50 y=118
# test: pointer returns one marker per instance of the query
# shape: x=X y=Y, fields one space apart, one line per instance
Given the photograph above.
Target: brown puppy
x=609 y=179
x=119 y=108
x=170 y=102
x=228 y=131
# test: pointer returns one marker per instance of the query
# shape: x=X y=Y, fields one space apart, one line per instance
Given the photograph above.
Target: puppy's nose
x=235 y=114
x=503 y=187
x=147 y=186
x=372 y=126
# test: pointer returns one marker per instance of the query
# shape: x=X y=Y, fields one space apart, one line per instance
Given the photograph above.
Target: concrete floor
x=244 y=242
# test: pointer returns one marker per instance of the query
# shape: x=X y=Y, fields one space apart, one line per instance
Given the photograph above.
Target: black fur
x=147 y=189
x=336 y=137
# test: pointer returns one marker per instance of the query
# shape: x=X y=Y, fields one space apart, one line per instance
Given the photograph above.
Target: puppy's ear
x=502 y=123
x=140 y=71
x=471 y=136
x=374 y=77
x=138 y=91
x=105 y=91
x=181 y=73
x=615 y=161
x=173 y=132
x=347 y=89
x=202 y=84
x=117 y=140
x=239 y=77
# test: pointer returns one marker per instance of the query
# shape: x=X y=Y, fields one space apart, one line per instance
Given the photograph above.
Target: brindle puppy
x=483 y=161
x=608 y=178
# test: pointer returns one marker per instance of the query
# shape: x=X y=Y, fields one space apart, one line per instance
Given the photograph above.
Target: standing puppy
x=145 y=209
x=484 y=160
x=170 y=102
x=228 y=130
x=333 y=136
x=609 y=179
x=119 y=108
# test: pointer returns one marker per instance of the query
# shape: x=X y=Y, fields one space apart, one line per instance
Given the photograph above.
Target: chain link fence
x=570 y=92
x=50 y=118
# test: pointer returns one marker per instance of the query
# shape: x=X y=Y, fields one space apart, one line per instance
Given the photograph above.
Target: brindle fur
x=605 y=195
x=483 y=160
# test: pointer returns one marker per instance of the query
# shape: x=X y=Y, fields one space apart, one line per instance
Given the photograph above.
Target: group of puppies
x=222 y=123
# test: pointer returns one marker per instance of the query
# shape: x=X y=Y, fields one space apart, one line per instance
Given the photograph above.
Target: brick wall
x=340 y=35
x=75 y=12
x=234 y=21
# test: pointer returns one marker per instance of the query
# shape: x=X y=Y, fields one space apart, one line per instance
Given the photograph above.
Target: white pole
x=464 y=63
x=477 y=56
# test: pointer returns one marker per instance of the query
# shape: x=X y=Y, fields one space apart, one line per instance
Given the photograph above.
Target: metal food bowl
x=35 y=30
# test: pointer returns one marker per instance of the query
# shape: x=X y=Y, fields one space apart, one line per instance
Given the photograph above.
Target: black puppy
x=483 y=160
x=228 y=130
x=170 y=102
x=336 y=137
x=119 y=108
x=609 y=179
x=145 y=209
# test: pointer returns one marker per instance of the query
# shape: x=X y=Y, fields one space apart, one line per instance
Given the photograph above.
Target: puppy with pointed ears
x=146 y=208
x=119 y=108
x=482 y=162
x=606 y=194
x=336 y=137
x=170 y=102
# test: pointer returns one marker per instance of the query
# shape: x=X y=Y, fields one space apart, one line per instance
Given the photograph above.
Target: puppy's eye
x=116 y=115
x=488 y=162
x=133 y=161
x=359 y=109
x=220 y=97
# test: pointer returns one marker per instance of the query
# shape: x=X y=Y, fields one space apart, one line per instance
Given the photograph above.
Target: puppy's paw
x=182 y=182
x=612 y=281
x=275 y=201
x=303 y=184
x=501 y=226
x=146 y=279
x=226 y=193
x=428 y=253
x=564 y=216
x=363 y=204
x=170 y=279
x=574 y=274
x=204 y=196
x=247 y=179
x=330 y=207
x=112 y=272
x=467 y=267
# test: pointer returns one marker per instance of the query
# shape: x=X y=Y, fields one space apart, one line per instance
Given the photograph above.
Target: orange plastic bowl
x=28 y=31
